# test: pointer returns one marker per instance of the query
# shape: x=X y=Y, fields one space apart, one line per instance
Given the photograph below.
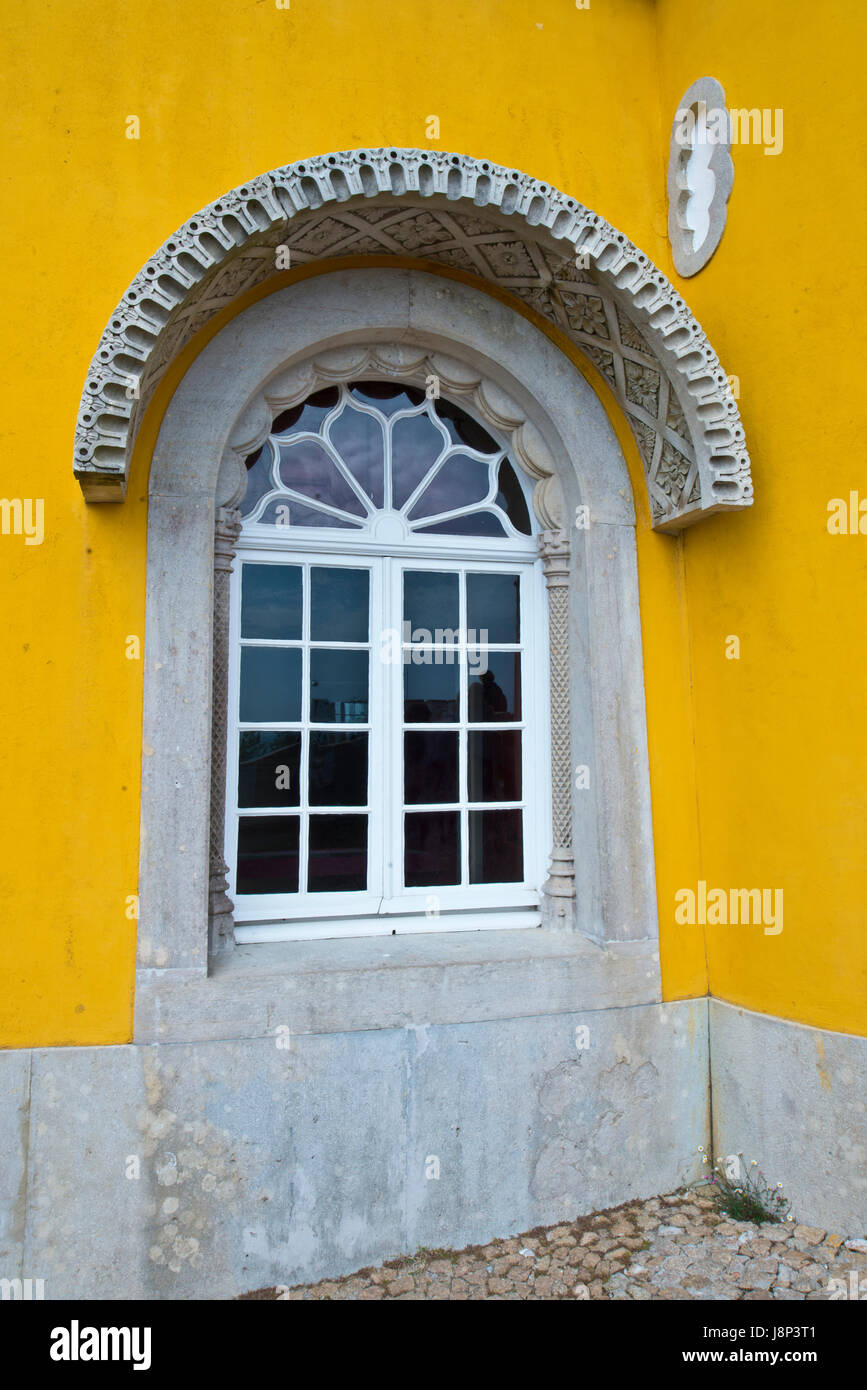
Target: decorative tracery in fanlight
x=381 y=459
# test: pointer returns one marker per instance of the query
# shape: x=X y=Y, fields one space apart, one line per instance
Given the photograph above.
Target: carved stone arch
x=497 y=224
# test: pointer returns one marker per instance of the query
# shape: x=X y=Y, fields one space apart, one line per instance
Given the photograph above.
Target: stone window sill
x=361 y=983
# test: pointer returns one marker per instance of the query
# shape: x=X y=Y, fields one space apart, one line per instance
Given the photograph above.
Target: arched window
x=387 y=701
x=288 y=450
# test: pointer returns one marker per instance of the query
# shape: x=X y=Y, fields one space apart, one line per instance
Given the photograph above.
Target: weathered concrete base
x=205 y=1168
x=260 y=1163
x=794 y=1099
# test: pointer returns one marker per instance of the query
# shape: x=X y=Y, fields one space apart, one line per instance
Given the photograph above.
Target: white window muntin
x=322 y=438
x=387 y=905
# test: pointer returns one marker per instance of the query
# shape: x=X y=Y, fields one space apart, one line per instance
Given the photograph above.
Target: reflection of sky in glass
x=358 y=437
x=478 y=524
x=416 y=444
x=359 y=441
x=271 y=601
x=460 y=482
x=306 y=467
x=259 y=478
x=339 y=604
x=285 y=511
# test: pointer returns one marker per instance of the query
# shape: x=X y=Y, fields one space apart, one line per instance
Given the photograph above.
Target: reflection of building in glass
x=325 y=711
x=486 y=699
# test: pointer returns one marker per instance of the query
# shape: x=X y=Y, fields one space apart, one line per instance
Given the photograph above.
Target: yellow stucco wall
x=581 y=99
x=781 y=737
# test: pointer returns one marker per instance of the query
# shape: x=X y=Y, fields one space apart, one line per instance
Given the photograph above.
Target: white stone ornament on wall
x=450 y=210
x=700 y=175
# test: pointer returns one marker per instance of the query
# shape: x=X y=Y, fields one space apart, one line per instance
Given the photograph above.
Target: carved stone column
x=227 y=528
x=559 y=889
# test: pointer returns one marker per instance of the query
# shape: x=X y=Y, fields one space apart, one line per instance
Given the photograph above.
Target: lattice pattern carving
x=554 y=550
x=227 y=529
x=496 y=224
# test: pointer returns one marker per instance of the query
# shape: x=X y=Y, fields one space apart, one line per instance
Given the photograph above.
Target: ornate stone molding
x=227 y=529
x=403 y=362
x=559 y=888
x=700 y=175
x=497 y=224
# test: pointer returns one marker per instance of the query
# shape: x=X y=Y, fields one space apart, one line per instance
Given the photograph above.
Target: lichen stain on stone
x=195 y=1161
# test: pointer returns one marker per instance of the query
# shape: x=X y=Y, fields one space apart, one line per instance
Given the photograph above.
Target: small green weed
x=741 y=1192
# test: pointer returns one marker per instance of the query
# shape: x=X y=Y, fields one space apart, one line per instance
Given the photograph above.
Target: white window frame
x=399 y=910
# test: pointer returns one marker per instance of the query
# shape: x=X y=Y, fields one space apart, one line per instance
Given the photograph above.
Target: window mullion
x=304 y=799
x=392 y=736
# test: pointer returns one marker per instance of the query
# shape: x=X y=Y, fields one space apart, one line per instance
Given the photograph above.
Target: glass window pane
x=416 y=444
x=477 y=524
x=496 y=847
x=494 y=766
x=430 y=602
x=339 y=605
x=270 y=685
x=285 y=511
x=460 y=482
x=338 y=686
x=308 y=416
x=305 y=466
x=259 y=478
x=271 y=602
x=432 y=848
x=338 y=769
x=493 y=604
x=464 y=429
x=268 y=854
x=269 y=768
x=430 y=767
x=511 y=498
x=338 y=854
x=493 y=686
x=358 y=439
x=387 y=396
x=431 y=687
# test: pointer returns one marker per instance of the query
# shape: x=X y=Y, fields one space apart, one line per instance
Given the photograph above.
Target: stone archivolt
x=406 y=363
x=501 y=226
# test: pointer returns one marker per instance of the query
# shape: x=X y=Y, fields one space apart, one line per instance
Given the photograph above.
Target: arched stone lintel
x=391 y=322
x=560 y=258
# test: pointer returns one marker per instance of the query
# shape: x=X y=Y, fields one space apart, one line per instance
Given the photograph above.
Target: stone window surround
x=512 y=376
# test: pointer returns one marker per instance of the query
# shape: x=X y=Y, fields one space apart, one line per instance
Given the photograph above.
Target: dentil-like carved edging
x=500 y=225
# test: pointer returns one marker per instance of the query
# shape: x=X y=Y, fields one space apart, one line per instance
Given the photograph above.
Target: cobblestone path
x=674 y=1247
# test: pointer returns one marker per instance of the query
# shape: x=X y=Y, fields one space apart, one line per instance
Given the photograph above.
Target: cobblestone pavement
x=674 y=1247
